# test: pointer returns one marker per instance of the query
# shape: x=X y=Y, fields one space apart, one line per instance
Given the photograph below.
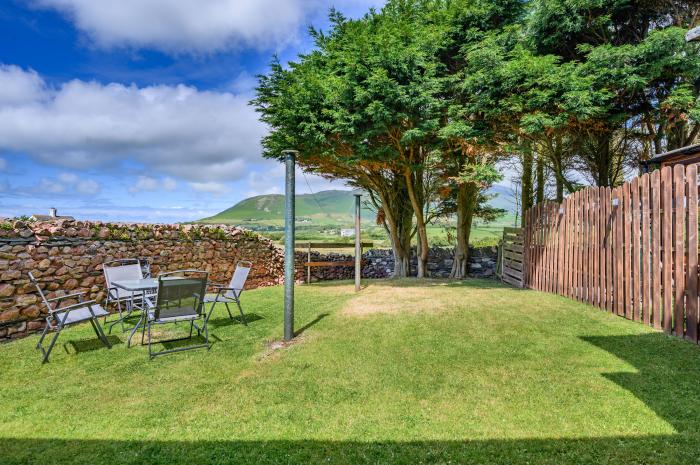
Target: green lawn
x=404 y=373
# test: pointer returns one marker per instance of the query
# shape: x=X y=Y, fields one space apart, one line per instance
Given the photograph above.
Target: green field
x=320 y=217
x=406 y=372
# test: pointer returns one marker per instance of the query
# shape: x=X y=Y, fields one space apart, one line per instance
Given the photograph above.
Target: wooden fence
x=512 y=256
x=631 y=250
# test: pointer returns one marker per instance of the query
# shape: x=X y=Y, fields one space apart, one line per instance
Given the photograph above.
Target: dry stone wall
x=379 y=263
x=67 y=257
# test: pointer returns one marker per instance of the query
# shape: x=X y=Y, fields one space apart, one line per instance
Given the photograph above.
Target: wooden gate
x=512 y=257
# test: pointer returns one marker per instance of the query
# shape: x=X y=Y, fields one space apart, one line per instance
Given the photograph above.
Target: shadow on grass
x=88 y=345
x=237 y=320
x=663 y=449
x=311 y=323
x=666 y=375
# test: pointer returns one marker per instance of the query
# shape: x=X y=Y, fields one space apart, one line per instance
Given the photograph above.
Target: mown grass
x=436 y=372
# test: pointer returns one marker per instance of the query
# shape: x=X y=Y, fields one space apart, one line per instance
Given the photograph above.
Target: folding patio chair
x=59 y=317
x=123 y=270
x=232 y=292
x=180 y=298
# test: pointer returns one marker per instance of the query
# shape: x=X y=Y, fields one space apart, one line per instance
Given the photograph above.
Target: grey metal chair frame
x=159 y=314
x=130 y=302
x=226 y=294
x=58 y=317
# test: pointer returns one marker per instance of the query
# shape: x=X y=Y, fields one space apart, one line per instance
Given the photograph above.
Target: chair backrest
x=48 y=306
x=117 y=271
x=181 y=293
x=239 y=278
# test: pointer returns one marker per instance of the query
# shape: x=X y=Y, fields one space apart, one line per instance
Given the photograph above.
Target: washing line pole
x=289 y=159
x=358 y=244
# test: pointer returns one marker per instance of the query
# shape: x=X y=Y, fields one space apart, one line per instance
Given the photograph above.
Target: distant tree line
x=419 y=102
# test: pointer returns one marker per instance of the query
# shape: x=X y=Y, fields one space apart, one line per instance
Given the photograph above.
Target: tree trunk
x=526 y=184
x=414 y=186
x=539 y=196
x=466 y=203
x=560 y=190
x=398 y=219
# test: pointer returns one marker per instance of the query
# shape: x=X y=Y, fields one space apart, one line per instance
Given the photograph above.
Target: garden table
x=138 y=285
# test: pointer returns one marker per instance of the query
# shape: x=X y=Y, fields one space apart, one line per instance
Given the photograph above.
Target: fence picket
x=656 y=249
x=634 y=238
x=679 y=249
x=692 y=272
x=667 y=228
x=645 y=259
x=609 y=305
x=627 y=246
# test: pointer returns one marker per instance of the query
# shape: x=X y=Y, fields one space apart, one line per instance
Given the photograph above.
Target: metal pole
x=289 y=246
x=358 y=244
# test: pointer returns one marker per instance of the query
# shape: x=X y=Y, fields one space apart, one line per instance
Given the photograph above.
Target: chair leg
x=43 y=335
x=240 y=309
x=53 y=342
x=98 y=331
x=228 y=310
x=211 y=310
x=150 y=353
x=143 y=332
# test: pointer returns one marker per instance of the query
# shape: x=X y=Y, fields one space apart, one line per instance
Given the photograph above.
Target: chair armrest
x=223 y=288
x=68 y=308
x=69 y=296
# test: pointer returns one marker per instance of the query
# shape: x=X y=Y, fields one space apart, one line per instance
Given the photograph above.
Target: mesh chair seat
x=218 y=298
x=174 y=314
x=81 y=314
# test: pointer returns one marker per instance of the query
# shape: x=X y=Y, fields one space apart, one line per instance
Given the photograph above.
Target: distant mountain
x=504 y=198
x=330 y=206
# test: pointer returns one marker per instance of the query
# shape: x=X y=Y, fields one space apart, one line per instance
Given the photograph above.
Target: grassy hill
x=326 y=207
x=321 y=215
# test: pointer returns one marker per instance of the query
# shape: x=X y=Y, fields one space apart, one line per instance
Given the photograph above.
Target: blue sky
x=137 y=110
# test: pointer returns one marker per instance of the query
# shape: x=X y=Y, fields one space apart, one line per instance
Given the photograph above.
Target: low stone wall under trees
x=67 y=256
x=379 y=263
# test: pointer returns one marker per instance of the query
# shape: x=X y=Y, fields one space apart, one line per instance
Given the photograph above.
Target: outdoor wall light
x=615 y=202
x=561 y=210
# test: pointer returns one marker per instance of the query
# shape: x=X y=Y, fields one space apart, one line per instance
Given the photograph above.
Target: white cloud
x=215 y=188
x=88 y=187
x=67 y=183
x=19 y=86
x=68 y=178
x=147 y=183
x=144 y=183
x=193 y=25
x=169 y=184
x=179 y=131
